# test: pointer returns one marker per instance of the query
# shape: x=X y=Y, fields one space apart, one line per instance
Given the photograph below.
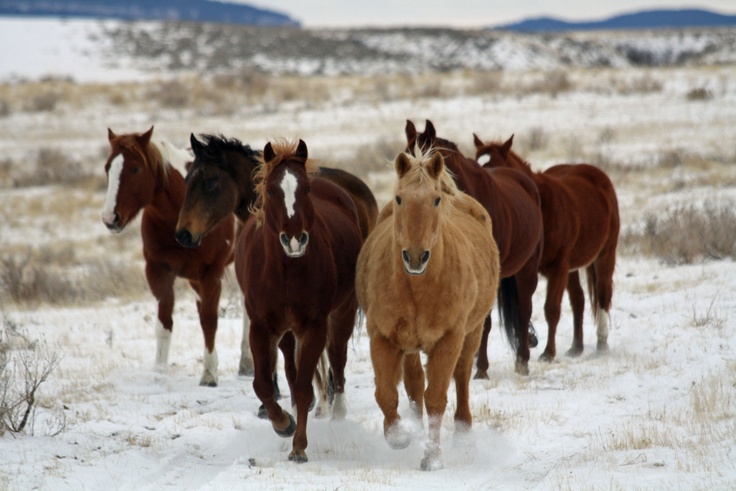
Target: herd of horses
x=310 y=249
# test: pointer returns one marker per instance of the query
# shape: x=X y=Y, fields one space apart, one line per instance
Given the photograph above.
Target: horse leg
x=441 y=364
x=463 y=370
x=414 y=383
x=208 y=292
x=526 y=281
x=387 y=360
x=602 y=270
x=246 y=358
x=556 y=282
x=264 y=363
x=161 y=284
x=577 y=303
x=311 y=345
x=482 y=363
x=341 y=325
x=287 y=345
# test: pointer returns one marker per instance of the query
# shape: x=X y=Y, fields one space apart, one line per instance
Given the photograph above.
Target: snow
x=656 y=412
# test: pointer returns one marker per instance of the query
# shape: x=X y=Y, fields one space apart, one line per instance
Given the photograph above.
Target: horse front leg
x=463 y=370
x=161 y=284
x=556 y=282
x=310 y=346
x=441 y=363
x=387 y=360
x=264 y=364
x=208 y=292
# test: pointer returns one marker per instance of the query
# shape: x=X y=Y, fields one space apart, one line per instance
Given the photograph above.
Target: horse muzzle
x=112 y=222
x=415 y=263
x=294 y=247
x=185 y=239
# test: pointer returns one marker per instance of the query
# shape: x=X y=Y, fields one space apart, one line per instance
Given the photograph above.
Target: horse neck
x=243 y=171
x=466 y=171
x=168 y=198
x=516 y=162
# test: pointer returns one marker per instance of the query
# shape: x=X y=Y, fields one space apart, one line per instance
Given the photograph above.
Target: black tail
x=508 y=309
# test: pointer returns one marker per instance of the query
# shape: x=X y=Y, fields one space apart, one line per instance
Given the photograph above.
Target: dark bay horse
x=147 y=175
x=427 y=277
x=295 y=261
x=220 y=183
x=581 y=228
x=512 y=201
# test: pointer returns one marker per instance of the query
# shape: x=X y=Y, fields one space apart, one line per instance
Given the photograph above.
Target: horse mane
x=418 y=171
x=284 y=149
x=215 y=146
x=151 y=156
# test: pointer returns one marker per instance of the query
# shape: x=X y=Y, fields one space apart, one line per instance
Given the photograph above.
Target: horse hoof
x=262 y=413
x=602 y=346
x=288 y=431
x=205 y=383
x=397 y=437
x=574 y=352
x=546 y=358
x=481 y=375
x=246 y=372
x=431 y=464
x=522 y=368
x=298 y=457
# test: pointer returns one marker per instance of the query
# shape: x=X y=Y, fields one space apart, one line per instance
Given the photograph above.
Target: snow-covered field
x=657 y=412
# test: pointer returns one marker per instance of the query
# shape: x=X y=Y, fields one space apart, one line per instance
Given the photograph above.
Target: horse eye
x=398 y=200
x=135 y=170
x=210 y=185
x=269 y=194
x=437 y=201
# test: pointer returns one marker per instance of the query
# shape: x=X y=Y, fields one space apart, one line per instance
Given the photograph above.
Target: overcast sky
x=464 y=13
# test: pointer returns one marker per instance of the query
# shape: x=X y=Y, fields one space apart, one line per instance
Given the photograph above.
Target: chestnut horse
x=220 y=182
x=427 y=277
x=512 y=201
x=147 y=175
x=295 y=261
x=581 y=228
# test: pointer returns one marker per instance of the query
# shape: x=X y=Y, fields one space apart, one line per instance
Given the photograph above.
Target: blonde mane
x=284 y=150
x=153 y=157
x=418 y=172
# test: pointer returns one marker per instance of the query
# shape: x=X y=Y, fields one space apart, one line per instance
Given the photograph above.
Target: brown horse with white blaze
x=147 y=175
x=295 y=262
x=427 y=278
x=581 y=229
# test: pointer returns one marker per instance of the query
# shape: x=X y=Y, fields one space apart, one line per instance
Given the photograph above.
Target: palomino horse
x=512 y=201
x=426 y=278
x=581 y=227
x=220 y=182
x=295 y=261
x=146 y=175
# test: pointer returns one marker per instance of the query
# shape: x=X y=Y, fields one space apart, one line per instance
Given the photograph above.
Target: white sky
x=464 y=13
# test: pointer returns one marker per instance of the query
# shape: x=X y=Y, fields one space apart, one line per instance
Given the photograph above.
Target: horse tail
x=593 y=290
x=508 y=310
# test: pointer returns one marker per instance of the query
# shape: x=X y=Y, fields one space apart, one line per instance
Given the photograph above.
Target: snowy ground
x=657 y=412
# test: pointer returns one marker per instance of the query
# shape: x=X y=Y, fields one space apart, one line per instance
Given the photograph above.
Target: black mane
x=215 y=146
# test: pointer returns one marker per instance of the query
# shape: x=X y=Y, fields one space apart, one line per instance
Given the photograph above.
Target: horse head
x=212 y=192
x=132 y=173
x=493 y=154
x=287 y=208
x=421 y=197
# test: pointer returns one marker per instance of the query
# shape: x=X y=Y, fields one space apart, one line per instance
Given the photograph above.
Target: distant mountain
x=181 y=10
x=650 y=19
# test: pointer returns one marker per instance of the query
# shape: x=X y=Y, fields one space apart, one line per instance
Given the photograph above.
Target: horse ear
x=410 y=131
x=477 y=141
x=197 y=146
x=435 y=165
x=429 y=130
x=402 y=164
x=110 y=135
x=268 y=153
x=301 y=150
x=145 y=138
x=506 y=147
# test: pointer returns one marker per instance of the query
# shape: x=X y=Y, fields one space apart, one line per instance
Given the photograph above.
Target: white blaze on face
x=113 y=184
x=484 y=159
x=288 y=186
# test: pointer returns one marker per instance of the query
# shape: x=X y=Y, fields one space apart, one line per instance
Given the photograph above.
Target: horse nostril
x=303 y=239
x=425 y=257
x=405 y=255
x=284 y=239
x=184 y=237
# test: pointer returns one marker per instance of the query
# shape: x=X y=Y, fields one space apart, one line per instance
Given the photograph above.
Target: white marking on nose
x=288 y=186
x=113 y=184
x=484 y=159
x=294 y=244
